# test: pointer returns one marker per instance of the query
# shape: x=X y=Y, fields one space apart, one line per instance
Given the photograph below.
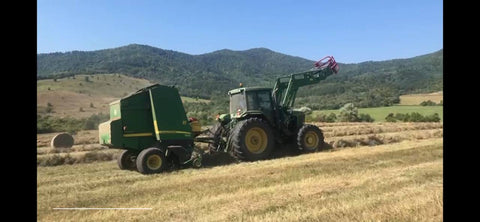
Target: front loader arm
x=286 y=87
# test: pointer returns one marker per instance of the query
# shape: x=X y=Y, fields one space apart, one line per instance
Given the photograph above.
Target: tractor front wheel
x=126 y=160
x=252 y=140
x=310 y=138
x=151 y=160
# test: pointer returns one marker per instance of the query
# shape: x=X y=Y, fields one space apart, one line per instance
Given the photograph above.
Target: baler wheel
x=151 y=160
x=126 y=160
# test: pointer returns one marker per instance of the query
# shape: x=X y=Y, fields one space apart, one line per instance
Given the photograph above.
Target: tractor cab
x=251 y=101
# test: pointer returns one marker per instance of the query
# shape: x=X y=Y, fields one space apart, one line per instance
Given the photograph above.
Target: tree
x=390 y=118
x=428 y=103
x=416 y=117
x=432 y=118
x=363 y=117
x=330 y=118
x=412 y=117
x=348 y=113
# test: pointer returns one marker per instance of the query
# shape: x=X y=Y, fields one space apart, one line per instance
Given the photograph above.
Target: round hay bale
x=62 y=140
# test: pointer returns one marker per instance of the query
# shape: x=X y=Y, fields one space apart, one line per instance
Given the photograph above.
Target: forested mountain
x=372 y=84
x=213 y=74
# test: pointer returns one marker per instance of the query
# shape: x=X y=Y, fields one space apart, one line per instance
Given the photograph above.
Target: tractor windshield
x=237 y=101
x=259 y=100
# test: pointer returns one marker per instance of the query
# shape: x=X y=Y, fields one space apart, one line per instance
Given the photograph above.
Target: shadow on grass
x=280 y=151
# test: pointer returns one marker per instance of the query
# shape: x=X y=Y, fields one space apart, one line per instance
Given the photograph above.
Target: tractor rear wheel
x=310 y=138
x=151 y=160
x=126 y=160
x=252 y=140
x=215 y=132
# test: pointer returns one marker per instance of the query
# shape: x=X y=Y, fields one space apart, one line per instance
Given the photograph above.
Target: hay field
x=416 y=99
x=373 y=172
x=68 y=95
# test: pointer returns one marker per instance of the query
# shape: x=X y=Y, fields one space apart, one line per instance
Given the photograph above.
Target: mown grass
x=379 y=113
x=337 y=135
x=394 y=182
x=61 y=158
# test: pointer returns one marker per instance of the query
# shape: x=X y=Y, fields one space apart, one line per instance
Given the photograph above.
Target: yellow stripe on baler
x=156 y=127
x=137 y=134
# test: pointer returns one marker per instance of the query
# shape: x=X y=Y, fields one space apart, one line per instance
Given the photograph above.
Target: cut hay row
x=403 y=126
x=377 y=128
x=102 y=154
x=77 y=157
x=75 y=148
x=409 y=133
x=384 y=138
x=329 y=129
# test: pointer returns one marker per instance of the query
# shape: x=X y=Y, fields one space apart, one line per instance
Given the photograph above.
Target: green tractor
x=260 y=118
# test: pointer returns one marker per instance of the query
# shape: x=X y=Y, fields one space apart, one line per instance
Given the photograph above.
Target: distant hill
x=85 y=95
x=213 y=74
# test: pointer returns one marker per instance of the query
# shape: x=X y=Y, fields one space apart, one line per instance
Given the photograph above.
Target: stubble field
x=371 y=172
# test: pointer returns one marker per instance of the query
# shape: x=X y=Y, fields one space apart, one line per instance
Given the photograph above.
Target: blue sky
x=352 y=31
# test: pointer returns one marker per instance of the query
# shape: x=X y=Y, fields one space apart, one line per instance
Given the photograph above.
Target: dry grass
x=416 y=99
x=337 y=135
x=394 y=182
x=55 y=159
x=384 y=138
x=67 y=95
x=370 y=128
x=75 y=148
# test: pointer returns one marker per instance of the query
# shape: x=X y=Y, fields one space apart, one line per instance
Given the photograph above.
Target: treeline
x=431 y=103
x=366 y=97
x=348 y=113
x=412 y=117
